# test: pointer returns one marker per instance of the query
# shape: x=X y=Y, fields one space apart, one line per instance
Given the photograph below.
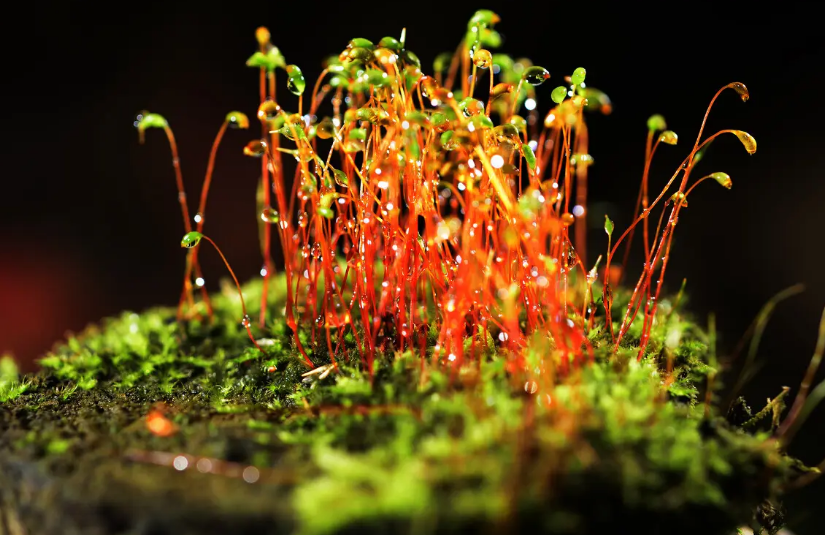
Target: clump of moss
x=411 y=447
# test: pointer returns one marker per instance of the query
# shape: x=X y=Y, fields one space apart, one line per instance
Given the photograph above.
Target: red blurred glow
x=38 y=303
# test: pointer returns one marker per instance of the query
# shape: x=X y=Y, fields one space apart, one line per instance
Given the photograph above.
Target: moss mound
x=618 y=444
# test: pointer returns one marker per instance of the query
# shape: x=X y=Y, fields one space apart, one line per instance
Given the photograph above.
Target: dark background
x=89 y=223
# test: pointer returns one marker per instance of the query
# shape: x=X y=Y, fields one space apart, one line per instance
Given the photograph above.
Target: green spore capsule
x=529 y=156
x=377 y=78
x=295 y=80
x=740 y=88
x=270 y=60
x=237 y=119
x=410 y=58
x=656 y=123
x=391 y=42
x=483 y=17
x=360 y=54
x=360 y=42
x=669 y=137
x=747 y=140
x=442 y=61
x=723 y=179
x=535 y=75
x=146 y=120
x=558 y=94
x=578 y=76
x=191 y=239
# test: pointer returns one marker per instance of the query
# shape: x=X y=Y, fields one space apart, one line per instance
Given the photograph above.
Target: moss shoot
x=410 y=449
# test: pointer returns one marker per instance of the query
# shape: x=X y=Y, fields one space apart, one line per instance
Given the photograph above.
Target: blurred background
x=90 y=225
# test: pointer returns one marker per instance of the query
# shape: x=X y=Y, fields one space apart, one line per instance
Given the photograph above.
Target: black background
x=89 y=223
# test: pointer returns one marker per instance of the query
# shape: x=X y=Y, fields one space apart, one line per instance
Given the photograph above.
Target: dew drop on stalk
x=567 y=219
x=268 y=110
x=246 y=321
x=295 y=80
x=303 y=220
x=255 y=148
x=270 y=215
x=198 y=217
x=482 y=59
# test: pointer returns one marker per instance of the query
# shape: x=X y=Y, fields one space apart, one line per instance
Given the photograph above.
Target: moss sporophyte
x=436 y=350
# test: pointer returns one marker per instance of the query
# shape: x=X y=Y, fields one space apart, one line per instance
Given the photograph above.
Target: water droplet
x=270 y=215
x=295 y=80
x=325 y=129
x=317 y=250
x=256 y=148
x=535 y=75
x=246 y=321
x=482 y=59
x=198 y=217
x=268 y=110
x=567 y=219
x=320 y=321
x=303 y=220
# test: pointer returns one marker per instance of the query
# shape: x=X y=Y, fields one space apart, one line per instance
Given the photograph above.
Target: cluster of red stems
x=410 y=211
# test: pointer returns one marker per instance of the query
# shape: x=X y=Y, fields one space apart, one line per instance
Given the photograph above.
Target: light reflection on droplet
x=180 y=463
x=251 y=474
x=199 y=282
x=204 y=465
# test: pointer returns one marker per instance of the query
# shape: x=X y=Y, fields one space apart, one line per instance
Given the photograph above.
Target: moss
x=614 y=445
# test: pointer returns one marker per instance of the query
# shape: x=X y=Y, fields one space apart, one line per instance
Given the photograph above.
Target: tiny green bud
x=656 y=123
x=723 y=179
x=578 y=76
x=558 y=94
x=608 y=225
x=237 y=119
x=191 y=239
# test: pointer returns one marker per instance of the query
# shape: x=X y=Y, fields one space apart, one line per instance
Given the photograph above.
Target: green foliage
x=10 y=384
